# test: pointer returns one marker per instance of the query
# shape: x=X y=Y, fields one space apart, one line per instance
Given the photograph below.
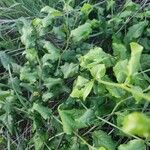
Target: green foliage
x=101 y=139
x=74 y=75
x=137 y=124
x=133 y=145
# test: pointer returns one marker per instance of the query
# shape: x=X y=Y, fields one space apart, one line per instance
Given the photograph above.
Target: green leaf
x=135 y=31
x=51 y=11
x=75 y=119
x=119 y=50
x=95 y=56
x=82 y=88
x=115 y=92
x=98 y=71
x=120 y=70
x=50 y=82
x=28 y=74
x=69 y=70
x=102 y=139
x=145 y=61
x=82 y=32
x=133 y=145
x=31 y=54
x=27 y=31
x=67 y=121
x=85 y=119
x=54 y=52
x=47 y=96
x=4 y=94
x=40 y=139
x=138 y=90
x=134 y=62
x=86 y=8
x=45 y=112
x=137 y=124
x=5 y=60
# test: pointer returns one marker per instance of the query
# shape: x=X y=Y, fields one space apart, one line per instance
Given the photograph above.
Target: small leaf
x=116 y=92
x=75 y=119
x=82 y=32
x=4 y=94
x=119 y=50
x=50 y=82
x=31 y=54
x=120 y=70
x=86 y=8
x=98 y=71
x=82 y=88
x=138 y=90
x=27 y=31
x=133 y=145
x=51 y=11
x=137 y=124
x=54 y=53
x=102 y=139
x=5 y=60
x=134 y=62
x=28 y=74
x=95 y=56
x=69 y=70
x=45 y=112
x=135 y=31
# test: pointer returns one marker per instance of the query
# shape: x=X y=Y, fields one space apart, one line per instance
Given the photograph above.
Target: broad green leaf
x=137 y=124
x=69 y=70
x=51 y=11
x=40 y=139
x=4 y=94
x=135 y=31
x=50 y=82
x=102 y=139
x=85 y=119
x=145 y=61
x=82 y=32
x=133 y=145
x=82 y=88
x=75 y=119
x=86 y=8
x=95 y=56
x=54 y=52
x=115 y=92
x=31 y=54
x=138 y=90
x=28 y=74
x=5 y=60
x=98 y=71
x=67 y=121
x=119 y=50
x=134 y=62
x=120 y=70
x=45 y=112
x=28 y=37
x=132 y=6
x=47 y=96
x=47 y=21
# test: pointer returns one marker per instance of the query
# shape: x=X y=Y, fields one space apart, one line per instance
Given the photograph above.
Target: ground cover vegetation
x=74 y=75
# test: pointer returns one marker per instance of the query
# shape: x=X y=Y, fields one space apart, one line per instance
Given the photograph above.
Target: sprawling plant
x=83 y=82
